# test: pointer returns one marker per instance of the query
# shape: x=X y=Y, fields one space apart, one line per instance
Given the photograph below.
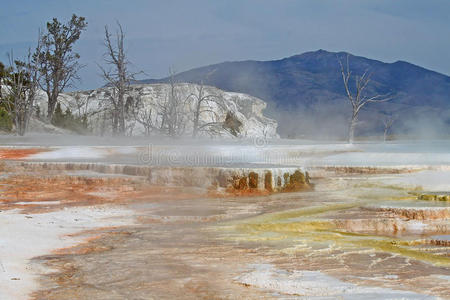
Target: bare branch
x=118 y=77
x=358 y=99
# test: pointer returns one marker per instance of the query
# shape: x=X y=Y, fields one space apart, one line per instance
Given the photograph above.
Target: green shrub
x=6 y=123
x=68 y=121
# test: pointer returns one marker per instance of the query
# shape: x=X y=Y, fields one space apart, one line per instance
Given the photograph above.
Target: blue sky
x=184 y=34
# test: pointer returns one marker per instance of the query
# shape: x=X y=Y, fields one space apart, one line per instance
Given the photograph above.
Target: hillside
x=306 y=95
x=230 y=115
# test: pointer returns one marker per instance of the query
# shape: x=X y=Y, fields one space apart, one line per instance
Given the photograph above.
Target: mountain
x=305 y=93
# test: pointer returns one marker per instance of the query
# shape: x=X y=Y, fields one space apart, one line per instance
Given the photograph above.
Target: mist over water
x=331 y=122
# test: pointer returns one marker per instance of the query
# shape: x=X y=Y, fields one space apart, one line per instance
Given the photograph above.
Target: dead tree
x=144 y=116
x=82 y=108
x=82 y=104
x=22 y=84
x=358 y=98
x=117 y=76
x=172 y=110
x=58 y=64
x=203 y=104
x=388 y=121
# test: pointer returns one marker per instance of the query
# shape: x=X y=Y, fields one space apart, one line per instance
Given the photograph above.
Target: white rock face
x=148 y=98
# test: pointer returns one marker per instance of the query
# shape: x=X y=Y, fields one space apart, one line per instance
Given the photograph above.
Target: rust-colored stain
x=67 y=190
x=21 y=191
x=83 y=248
x=18 y=153
x=88 y=246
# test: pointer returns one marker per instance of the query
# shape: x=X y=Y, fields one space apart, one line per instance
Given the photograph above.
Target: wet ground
x=214 y=248
x=359 y=233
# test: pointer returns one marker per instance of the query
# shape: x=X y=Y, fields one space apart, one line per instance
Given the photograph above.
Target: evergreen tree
x=58 y=64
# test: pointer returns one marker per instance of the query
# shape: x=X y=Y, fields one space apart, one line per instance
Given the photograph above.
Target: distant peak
x=320 y=52
x=309 y=54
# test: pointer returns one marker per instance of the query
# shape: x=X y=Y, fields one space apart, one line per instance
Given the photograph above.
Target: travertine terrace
x=223 y=220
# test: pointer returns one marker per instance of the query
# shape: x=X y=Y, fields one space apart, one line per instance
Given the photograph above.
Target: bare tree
x=82 y=104
x=145 y=118
x=82 y=108
x=58 y=64
x=171 y=110
x=388 y=121
x=103 y=123
x=358 y=99
x=203 y=104
x=144 y=115
x=130 y=128
x=22 y=84
x=118 y=77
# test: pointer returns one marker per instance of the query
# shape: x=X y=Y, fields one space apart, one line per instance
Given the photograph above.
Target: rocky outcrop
x=229 y=114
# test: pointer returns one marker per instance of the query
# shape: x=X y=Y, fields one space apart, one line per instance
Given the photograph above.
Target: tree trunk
x=195 y=132
x=20 y=126
x=114 y=122
x=121 y=115
x=21 y=130
x=351 y=130
x=52 y=101
x=195 y=125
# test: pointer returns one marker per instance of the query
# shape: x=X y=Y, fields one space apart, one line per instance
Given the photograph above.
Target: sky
x=184 y=34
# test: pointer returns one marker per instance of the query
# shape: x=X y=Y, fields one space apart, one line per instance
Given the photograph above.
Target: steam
x=325 y=121
x=326 y=116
